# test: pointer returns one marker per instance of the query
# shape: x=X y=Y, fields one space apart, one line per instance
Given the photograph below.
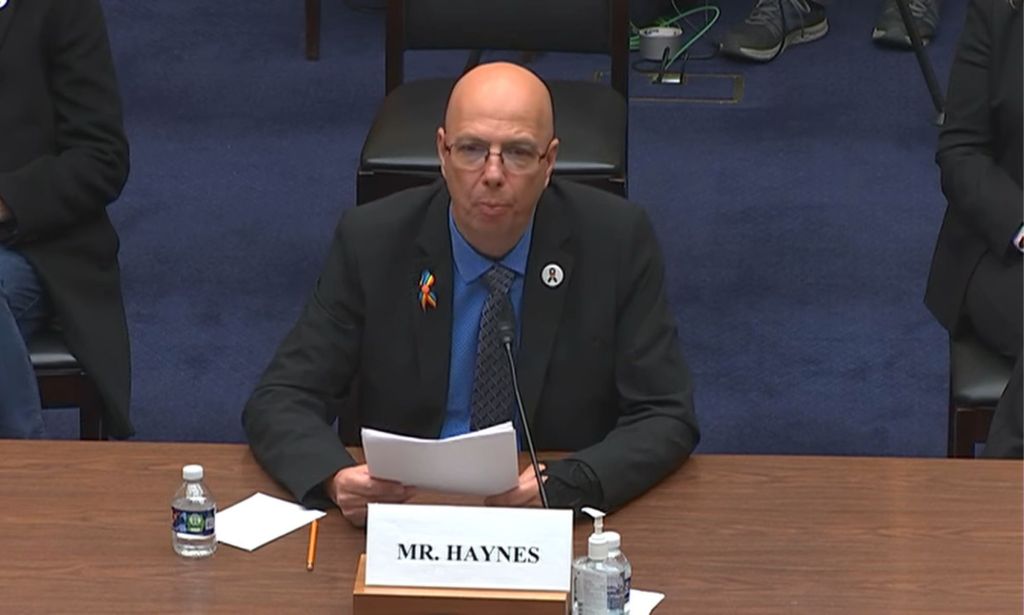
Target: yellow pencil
x=311 y=551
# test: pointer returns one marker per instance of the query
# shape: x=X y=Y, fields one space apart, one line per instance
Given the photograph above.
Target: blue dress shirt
x=468 y=295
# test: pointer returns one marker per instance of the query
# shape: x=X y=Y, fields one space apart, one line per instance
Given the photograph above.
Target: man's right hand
x=351 y=489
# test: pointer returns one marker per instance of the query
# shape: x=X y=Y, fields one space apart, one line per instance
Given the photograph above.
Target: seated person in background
x=403 y=303
x=63 y=159
x=773 y=25
x=975 y=279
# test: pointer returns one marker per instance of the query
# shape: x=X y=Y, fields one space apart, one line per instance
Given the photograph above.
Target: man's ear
x=441 y=151
x=552 y=155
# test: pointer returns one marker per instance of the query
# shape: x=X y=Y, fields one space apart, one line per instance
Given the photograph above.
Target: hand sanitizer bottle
x=598 y=581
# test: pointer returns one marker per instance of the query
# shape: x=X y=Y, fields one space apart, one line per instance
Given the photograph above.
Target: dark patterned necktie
x=492 y=381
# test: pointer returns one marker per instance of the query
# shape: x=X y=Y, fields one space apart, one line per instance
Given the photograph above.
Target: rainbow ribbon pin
x=427 y=296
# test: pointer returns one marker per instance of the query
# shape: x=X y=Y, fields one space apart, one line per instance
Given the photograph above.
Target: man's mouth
x=491 y=206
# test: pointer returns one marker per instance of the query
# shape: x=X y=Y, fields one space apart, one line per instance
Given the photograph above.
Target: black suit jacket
x=63 y=159
x=599 y=365
x=979 y=155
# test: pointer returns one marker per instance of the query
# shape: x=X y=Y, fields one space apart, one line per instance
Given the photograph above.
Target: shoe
x=889 y=29
x=774 y=25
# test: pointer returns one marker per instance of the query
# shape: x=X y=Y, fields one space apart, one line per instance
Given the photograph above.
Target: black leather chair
x=64 y=384
x=977 y=378
x=591 y=118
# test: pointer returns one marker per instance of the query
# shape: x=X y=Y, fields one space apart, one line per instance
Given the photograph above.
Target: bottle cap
x=192 y=472
x=614 y=541
x=597 y=546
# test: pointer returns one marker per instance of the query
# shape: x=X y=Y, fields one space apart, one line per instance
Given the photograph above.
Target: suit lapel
x=6 y=17
x=433 y=326
x=542 y=305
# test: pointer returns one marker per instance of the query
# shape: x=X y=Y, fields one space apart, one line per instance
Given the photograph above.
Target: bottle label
x=196 y=522
x=616 y=594
x=590 y=592
x=598 y=592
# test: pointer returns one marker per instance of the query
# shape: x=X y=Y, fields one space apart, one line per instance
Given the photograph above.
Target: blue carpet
x=797 y=225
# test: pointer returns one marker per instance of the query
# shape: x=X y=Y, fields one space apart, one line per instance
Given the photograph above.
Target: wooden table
x=85 y=528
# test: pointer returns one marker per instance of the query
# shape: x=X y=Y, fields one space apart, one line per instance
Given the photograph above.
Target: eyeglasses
x=473 y=155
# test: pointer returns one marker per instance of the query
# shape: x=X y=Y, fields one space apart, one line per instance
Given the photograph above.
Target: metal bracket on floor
x=675 y=78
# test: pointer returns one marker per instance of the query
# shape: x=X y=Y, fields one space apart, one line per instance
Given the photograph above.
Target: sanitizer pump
x=599 y=579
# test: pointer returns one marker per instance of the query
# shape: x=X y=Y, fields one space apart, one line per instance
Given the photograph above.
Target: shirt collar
x=470 y=264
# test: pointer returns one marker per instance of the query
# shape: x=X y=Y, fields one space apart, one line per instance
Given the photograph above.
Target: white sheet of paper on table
x=642 y=602
x=483 y=462
x=259 y=519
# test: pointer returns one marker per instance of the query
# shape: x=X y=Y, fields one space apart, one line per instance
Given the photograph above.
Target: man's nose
x=494 y=168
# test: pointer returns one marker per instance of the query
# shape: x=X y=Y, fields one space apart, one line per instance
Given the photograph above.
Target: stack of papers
x=259 y=519
x=483 y=462
x=642 y=603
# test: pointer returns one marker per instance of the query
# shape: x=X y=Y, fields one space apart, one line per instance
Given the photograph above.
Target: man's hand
x=351 y=489
x=525 y=493
x=5 y=213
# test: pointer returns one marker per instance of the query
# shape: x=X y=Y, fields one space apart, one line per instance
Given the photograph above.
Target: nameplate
x=410 y=545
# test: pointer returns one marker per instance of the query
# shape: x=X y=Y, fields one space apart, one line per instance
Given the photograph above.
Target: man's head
x=497 y=149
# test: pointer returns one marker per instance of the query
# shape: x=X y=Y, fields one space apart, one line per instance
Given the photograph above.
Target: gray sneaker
x=773 y=25
x=889 y=29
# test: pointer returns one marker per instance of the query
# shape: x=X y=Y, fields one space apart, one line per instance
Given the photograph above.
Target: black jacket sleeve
x=89 y=162
x=288 y=418
x=656 y=430
x=981 y=191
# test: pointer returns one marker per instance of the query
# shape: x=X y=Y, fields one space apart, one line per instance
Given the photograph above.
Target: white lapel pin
x=552 y=275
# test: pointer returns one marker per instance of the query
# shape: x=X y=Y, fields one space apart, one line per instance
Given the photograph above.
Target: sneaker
x=774 y=25
x=889 y=29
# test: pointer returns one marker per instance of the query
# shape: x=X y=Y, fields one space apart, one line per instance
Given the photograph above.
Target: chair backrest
x=573 y=26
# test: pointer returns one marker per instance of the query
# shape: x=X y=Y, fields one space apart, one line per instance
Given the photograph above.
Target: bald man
x=406 y=307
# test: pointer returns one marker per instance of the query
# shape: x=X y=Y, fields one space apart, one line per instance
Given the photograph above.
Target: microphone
x=507 y=333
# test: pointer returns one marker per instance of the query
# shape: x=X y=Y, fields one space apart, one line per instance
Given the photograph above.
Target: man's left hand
x=523 y=494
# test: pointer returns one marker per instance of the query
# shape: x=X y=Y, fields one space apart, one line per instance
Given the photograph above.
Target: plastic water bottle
x=193 y=511
x=615 y=554
x=598 y=580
